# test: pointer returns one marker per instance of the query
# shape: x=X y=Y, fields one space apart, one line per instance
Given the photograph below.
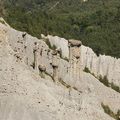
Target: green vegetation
x=104 y=80
x=115 y=87
x=96 y=22
x=108 y=111
x=46 y=73
x=1 y=21
x=64 y=83
x=86 y=70
x=2 y=8
x=75 y=88
x=42 y=75
x=68 y=86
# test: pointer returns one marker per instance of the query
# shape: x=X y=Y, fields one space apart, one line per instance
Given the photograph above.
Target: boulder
x=42 y=68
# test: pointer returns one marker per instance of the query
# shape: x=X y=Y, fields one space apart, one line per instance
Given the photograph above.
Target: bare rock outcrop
x=24 y=94
x=101 y=65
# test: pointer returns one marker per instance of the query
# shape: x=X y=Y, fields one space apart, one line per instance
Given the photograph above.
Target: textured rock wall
x=25 y=95
x=60 y=43
x=102 y=65
x=24 y=45
x=35 y=52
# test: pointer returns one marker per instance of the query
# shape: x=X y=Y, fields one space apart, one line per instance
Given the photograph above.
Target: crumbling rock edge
x=25 y=95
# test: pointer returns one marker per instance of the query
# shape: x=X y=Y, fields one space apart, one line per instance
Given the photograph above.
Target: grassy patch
x=87 y=70
x=68 y=86
x=75 y=88
x=115 y=87
x=64 y=83
x=104 y=80
x=108 y=111
x=50 y=76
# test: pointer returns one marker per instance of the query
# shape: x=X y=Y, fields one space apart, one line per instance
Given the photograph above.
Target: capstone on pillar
x=55 y=63
x=74 y=58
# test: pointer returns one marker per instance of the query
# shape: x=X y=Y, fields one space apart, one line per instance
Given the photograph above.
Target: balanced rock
x=75 y=43
x=42 y=68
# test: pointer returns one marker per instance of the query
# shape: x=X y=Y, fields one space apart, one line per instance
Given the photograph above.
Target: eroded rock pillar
x=55 y=64
x=24 y=35
x=35 y=52
x=42 y=70
x=74 y=58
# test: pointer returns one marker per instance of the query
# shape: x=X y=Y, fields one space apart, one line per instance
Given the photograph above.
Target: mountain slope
x=24 y=94
x=94 y=22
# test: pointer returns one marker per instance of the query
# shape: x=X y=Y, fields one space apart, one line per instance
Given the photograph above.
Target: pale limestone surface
x=60 y=43
x=99 y=65
x=24 y=95
x=102 y=65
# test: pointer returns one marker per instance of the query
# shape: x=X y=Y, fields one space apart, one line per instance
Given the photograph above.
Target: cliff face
x=41 y=82
x=101 y=65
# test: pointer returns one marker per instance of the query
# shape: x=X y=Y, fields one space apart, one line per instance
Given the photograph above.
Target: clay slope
x=25 y=95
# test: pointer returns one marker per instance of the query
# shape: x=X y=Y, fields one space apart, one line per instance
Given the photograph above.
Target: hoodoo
x=74 y=58
x=55 y=63
x=35 y=51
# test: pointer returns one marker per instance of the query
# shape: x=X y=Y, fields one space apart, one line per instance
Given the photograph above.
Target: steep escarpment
x=101 y=65
x=37 y=82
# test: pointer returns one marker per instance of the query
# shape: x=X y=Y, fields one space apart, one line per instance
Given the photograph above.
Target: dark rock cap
x=42 y=68
x=73 y=43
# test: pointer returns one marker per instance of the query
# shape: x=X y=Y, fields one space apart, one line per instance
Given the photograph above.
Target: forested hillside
x=95 y=22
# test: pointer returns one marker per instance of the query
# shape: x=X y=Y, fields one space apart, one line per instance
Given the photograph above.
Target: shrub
x=64 y=83
x=104 y=80
x=75 y=88
x=115 y=87
x=49 y=76
x=1 y=21
x=86 y=70
x=108 y=111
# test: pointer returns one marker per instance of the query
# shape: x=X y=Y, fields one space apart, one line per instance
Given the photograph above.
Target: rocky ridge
x=41 y=82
